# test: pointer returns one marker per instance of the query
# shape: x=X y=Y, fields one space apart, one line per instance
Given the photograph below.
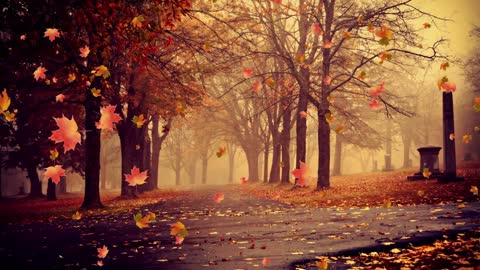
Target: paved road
x=221 y=235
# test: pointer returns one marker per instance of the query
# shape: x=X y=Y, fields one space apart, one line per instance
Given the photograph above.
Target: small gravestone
x=428 y=160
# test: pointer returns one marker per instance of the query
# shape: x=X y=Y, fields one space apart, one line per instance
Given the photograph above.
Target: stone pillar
x=450 y=173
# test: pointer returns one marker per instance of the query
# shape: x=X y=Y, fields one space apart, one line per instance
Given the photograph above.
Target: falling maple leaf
x=426 y=173
x=327 y=80
x=67 y=133
x=102 y=252
x=387 y=203
x=303 y=114
x=96 y=92
x=300 y=58
x=142 y=221
x=101 y=71
x=385 y=56
x=339 y=129
x=71 y=77
x=100 y=263
x=362 y=75
x=375 y=92
x=329 y=117
x=136 y=177
x=316 y=29
x=52 y=33
x=9 y=116
x=474 y=190
x=375 y=104
x=178 y=228
x=23 y=37
x=327 y=44
x=330 y=99
x=53 y=154
x=179 y=239
x=301 y=174
x=39 y=73
x=54 y=173
x=59 y=97
x=476 y=105
x=139 y=120
x=243 y=180
x=247 y=72
x=467 y=138
x=444 y=65
x=107 y=117
x=265 y=261
x=77 y=216
x=451 y=136
x=221 y=151
x=84 y=51
x=449 y=86
x=270 y=82
x=4 y=101
x=137 y=21
x=385 y=35
x=427 y=25
x=218 y=197
x=257 y=86
x=322 y=264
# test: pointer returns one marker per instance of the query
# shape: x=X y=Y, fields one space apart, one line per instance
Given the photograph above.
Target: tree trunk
x=92 y=156
x=301 y=125
x=129 y=160
x=275 y=169
x=407 y=140
x=252 y=159
x=51 y=194
x=323 y=180
x=265 y=160
x=177 y=176
x=147 y=161
x=156 y=147
x=285 y=144
x=231 y=166
x=61 y=187
x=337 y=162
x=35 y=184
x=204 y=169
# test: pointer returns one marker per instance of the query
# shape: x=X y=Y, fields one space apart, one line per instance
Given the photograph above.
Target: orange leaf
x=4 y=101
x=219 y=197
x=39 y=73
x=67 y=133
x=301 y=174
x=102 y=252
x=108 y=117
x=84 y=51
x=52 y=33
x=136 y=177
x=247 y=72
x=316 y=29
x=54 y=173
x=59 y=97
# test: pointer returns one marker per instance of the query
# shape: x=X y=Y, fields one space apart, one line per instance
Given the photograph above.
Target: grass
x=373 y=189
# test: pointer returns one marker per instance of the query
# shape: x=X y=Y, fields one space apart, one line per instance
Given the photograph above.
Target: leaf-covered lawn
x=27 y=210
x=461 y=251
x=374 y=189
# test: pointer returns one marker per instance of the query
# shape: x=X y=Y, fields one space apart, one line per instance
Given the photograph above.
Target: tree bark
x=285 y=144
x=337 y=162
x=35 y=184
x=157 y=141
x=61 y=187
x=266 y=151
x=252 y=160
x=92 y=156
x=51 y=194
x=323 y=180
x=275 y=168
x=147 y=161
x=204 y=169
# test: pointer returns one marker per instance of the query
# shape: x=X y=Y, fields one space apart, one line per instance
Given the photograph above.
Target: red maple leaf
x=108 y=117
x=136 y=177
x=67 y=133
x=54 y=172
x=301 y=174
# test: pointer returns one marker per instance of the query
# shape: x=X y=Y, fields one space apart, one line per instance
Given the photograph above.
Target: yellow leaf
x=4 y=101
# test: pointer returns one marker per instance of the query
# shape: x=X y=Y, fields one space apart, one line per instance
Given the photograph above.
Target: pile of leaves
x=460 y=252
x=28 y=210
x=374 y=189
